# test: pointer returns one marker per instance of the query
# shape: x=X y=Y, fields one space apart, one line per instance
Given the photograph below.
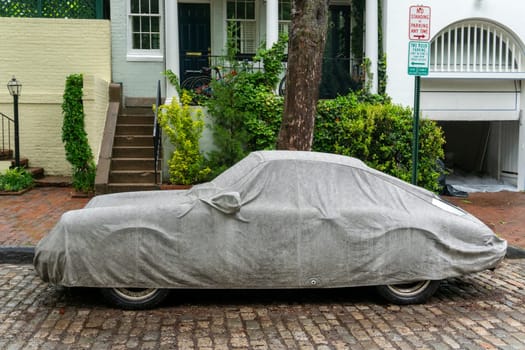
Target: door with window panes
x=194 y=38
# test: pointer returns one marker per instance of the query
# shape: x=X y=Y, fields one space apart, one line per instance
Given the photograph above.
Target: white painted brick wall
x=42 y=53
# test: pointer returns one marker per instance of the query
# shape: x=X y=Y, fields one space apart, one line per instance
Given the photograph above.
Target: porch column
x=171 y=50
x=272 y=22
x=372 y=41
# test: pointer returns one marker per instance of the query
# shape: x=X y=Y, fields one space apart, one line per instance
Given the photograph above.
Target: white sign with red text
x=419 y=23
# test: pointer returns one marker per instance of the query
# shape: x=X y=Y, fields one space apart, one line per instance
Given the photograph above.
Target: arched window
x=476 y=46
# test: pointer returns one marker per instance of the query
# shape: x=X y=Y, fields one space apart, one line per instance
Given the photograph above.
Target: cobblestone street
x=481 y=311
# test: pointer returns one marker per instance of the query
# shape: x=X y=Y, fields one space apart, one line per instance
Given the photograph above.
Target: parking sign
x=418 y=57
x=419 y=23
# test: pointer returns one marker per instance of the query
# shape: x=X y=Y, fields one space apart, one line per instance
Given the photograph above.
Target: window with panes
x=145 y=24
x=285 y=16
x=242 y=24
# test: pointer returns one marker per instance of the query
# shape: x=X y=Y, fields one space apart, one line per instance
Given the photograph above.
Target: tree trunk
x=305 y=60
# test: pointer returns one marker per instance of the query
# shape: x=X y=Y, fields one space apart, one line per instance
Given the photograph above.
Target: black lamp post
x=15 y=88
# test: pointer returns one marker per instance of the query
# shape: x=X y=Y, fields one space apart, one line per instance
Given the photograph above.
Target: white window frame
x=476 y=48
x=255 y=22
x=284 y=24
x=155 y=55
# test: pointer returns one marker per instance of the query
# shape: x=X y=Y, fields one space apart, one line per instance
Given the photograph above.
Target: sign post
x=418 y=65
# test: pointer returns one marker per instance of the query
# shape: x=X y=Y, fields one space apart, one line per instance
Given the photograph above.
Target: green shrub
x=14 y=180
x=74 y=137
x=184 y=129
x=379 y=133
x=245 y=111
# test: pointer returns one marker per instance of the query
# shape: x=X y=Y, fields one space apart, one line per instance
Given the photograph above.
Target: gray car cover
x=276 y=219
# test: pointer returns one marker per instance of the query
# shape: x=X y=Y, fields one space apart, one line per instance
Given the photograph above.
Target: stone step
x=133 y=164
x=133 y=176
x=137 y=111
x=24 y=163
x=134 y=129
x=133 y=140
x=132 y=151
x=53 y=181
x=38 y=173
x=136 y=119
x=131 y=187
x=6 y=154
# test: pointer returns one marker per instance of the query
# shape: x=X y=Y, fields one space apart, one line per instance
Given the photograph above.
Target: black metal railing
x=157 y=134
x=7 y=125
x=340 y=75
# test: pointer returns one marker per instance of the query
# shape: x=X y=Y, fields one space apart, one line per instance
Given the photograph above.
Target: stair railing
x=7 y=126
x=157 y=134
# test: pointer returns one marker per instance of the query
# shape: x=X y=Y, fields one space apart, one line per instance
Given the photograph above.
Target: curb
x=24 y=255
x=515 y=253
x=17 y=255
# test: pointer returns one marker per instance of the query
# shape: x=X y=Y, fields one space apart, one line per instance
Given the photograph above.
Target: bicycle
x=200 y=83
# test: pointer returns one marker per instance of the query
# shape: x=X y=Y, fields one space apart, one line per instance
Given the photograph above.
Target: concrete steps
x=37 y=172
x=132 y=163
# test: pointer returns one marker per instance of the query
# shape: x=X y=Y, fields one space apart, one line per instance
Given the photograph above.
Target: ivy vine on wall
x=74 y=136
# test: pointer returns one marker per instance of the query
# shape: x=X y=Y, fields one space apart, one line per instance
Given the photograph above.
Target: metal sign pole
x=415 y=129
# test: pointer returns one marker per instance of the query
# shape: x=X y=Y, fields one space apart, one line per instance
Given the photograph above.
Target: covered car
x=276 y=219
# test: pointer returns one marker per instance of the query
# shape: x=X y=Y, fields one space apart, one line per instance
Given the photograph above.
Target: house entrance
x=337 y=79
x=194 y=38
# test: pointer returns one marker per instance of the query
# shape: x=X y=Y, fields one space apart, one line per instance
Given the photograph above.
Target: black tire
x=134 y=298
x=188 y=82
x=408 y=293
x=282 y=86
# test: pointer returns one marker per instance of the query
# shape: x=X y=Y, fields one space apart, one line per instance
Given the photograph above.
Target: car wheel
x=408 y=293
x=134 y=298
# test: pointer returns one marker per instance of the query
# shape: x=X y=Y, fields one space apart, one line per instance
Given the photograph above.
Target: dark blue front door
x=194 y=38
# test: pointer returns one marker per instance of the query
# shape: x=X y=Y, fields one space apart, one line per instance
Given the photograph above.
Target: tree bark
x=305 y=60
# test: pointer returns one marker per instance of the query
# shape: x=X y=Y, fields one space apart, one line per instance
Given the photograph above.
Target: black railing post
x=17 y=143
x=156 y=132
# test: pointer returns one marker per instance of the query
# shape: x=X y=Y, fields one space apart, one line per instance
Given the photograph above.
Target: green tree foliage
x=74 y=137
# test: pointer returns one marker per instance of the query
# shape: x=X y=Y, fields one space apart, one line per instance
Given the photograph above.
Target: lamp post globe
x=15 y=88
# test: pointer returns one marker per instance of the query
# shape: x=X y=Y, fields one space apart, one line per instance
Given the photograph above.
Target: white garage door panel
x=452 y=115
x=464 y=101
x=470 y=99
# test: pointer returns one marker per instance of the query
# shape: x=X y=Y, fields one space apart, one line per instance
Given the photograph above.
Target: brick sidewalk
x=28 y=217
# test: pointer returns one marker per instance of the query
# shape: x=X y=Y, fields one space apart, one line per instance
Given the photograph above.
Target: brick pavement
x=481 y=311
x=25 y=219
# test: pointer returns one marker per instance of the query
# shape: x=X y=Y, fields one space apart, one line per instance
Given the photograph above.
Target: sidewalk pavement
x=26 y=218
